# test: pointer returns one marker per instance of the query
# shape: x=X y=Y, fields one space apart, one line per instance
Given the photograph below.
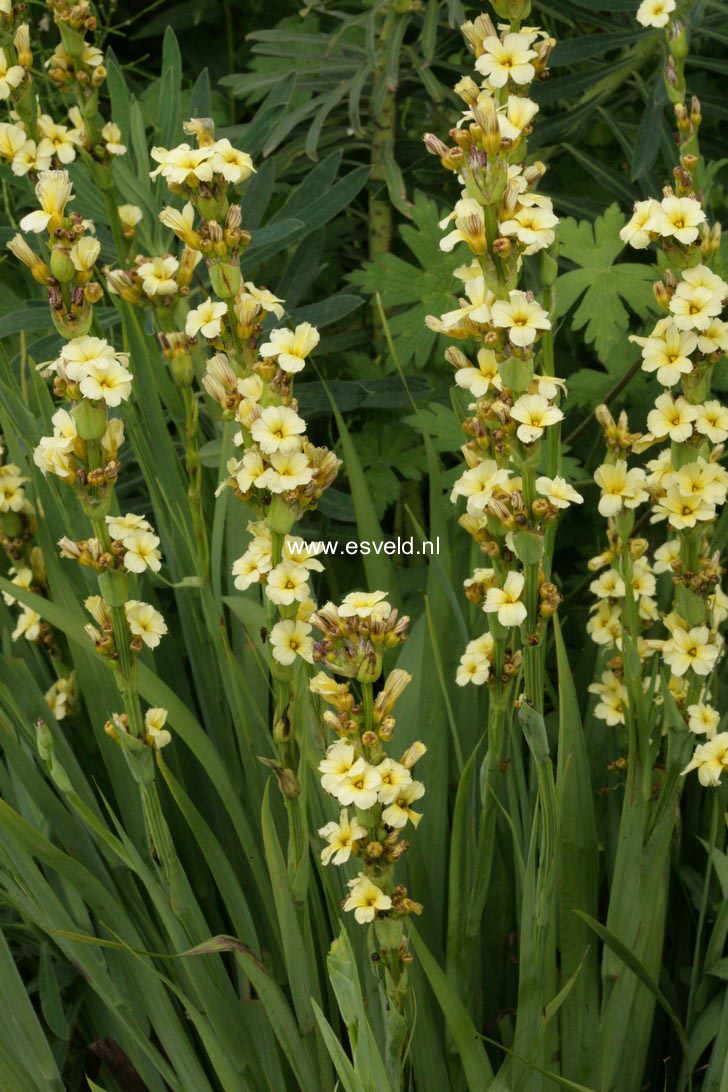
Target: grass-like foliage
x=362 y=506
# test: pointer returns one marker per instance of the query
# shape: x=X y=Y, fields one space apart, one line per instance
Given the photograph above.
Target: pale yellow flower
x=157 y=276
x=106 y=381
x=479 y=380
x=33 y=157
x=53 y=191
x=288 y=470
x=701 y=478
x=710 y=760
x=145 y=622
x=535 y=414
x=234 y=166
x=682 y=510
x=478 y=485
x=690 y=649
x=366 y=899
x=28 y=625
x=509 y=59
x=614 y=699
x=291 y=347
x=672 y=417
x=712 y=421
x=474 y=667
x=521 y=316
x=655 y=13
x=667 y=351
x=469 y=226
x=558 y=492
x=84 y=253
x=703 y=719
x=342 y=838
x=206 y=319
x=678 y=218
x=693 y=308
x=64 y=141
x=666 y=555
x=398 y=813
x=130 y=216
x=181 y=223
x=506 y=602
x=183 y=164
x=339 y=760
x=157 y=735
x=531 y=226
x=290 y=638
x=637 y=232
x=121 y=526
x=111 y=135
x=12 y=139
x=608 y=585
x=278 y=428
x=361 y=604
x=605 y=624
x=621 y=488
x=393 y=778
x=140 y=552
x=287 y=583
x=11 y=76
x=714 y=338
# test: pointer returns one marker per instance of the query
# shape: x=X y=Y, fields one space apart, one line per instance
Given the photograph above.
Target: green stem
x=194 y=475
x=498 y=704
x=695 y=969
x=109 y=195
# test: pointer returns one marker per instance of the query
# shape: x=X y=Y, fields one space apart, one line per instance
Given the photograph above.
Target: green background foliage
x=91 y=959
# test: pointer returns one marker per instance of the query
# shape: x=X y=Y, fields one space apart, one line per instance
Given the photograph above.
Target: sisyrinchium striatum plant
x=363 y=718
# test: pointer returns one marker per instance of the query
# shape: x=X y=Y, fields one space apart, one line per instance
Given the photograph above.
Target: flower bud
x=22 y=45
x=681 y=118
x=678 y=43
x=468 y=90
x=203 y=130
x=62 y=266
x=662 y=295
x=435 y=146
x=39 y=270
x=225 y=278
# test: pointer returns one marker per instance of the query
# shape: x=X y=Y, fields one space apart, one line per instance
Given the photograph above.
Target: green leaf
x=478 y=1072
x=378 y=567
x=637 y=968
x=168 y=123
x=577 y=880
x=411 y=291
x=50 y=995
x=607 y=291
x=347 y=1075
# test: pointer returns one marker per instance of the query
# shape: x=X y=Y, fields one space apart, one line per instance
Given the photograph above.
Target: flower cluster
x=682 y=487
x=18 y=526
x=155 y=735
x=356 y=635
x=73 y=252
x=91 y=378
x=277 y=471
x=376 y=793
x=33 y=141
x=501 y=218
x=146 y=625
x=157 y=281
